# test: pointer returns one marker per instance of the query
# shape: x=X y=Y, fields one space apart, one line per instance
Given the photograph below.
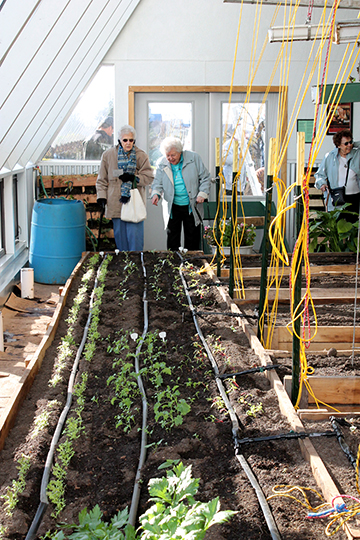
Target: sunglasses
x=126 y=140
x=347 y=142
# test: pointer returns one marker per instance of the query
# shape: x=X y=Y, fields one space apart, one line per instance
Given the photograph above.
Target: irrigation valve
x=162 y=335
x=134 y=336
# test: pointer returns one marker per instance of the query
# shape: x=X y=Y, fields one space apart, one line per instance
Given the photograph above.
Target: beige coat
x=108 y=185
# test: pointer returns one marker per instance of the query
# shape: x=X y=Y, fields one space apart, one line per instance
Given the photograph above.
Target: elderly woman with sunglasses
x=341 y=167
x=122 y=167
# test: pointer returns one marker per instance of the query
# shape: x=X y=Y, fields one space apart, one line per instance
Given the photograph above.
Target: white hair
x=126 y=129
x=169 y=143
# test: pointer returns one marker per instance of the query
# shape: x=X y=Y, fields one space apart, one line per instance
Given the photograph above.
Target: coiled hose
x=44 y=502
x=275 y=535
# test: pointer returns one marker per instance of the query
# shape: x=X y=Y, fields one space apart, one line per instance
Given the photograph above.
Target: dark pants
x=354 y=200
x=180 y=216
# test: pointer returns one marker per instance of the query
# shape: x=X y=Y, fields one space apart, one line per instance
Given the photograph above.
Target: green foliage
x=175 y=515
x=11 y=496
x=245 y=234
x=329 y=233
x=169 y=409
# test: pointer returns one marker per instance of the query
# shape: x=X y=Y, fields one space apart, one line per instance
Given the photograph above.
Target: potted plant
x=245 y=237
x=330 y=234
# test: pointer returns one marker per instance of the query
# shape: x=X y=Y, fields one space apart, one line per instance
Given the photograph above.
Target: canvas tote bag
x=134 y=210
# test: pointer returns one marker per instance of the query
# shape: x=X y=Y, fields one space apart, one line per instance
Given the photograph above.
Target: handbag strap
x=347 y=171
x=134 y=183
x=347 y=174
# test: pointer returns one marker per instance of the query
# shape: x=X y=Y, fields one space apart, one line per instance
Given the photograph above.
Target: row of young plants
x=164 y=389
x=42 y=420
x=74 y=425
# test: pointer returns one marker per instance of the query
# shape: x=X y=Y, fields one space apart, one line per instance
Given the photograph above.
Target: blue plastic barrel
x=57 y=239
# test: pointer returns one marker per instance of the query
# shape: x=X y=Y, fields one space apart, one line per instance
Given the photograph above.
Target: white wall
x=183 y=42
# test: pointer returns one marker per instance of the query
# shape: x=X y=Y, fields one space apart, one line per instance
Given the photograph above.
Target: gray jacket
x=329 y=169
x=197 y=182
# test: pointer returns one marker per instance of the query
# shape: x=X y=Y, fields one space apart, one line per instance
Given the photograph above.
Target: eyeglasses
x=347 y=142
x=126 y=140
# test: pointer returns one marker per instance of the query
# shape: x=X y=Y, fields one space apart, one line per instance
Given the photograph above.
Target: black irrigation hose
x=228 y=314
x=343 y=445
x=275 y=535
x=247 y=371
x=281 y=436
x=137 y=485
x=44 y=502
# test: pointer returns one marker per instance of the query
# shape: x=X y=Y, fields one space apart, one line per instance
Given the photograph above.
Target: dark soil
x=103 y=468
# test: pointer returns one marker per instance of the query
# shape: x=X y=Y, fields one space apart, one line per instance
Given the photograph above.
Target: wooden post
x=233 y=216
x=297 y=285
x=217 y=231
x=266 y=241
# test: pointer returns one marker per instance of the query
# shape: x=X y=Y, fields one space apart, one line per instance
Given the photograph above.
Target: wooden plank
x=324 y=414
x=319 y=296
x=255 y=272
x=77 y=180
x=340 y=337
x=340 y=390
x=23 y=385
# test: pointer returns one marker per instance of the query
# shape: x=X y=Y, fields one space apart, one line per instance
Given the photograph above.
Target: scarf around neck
x=126 y=162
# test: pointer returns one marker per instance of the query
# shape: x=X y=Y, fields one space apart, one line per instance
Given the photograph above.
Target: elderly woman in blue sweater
x=183 y=181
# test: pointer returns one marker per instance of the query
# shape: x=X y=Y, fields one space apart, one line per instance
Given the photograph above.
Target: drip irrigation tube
x=343 y=445
x=227 y=314
x=136 y=492
x=280 y=436
x=247 y=371
x=275 y=535
x=44 y=502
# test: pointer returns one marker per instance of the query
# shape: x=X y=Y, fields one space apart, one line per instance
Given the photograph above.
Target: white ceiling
x=49 y=51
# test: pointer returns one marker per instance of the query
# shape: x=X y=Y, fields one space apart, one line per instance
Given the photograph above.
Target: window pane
x=2 y=219
x=248 y=123
x=91 y=120
x=168 y=119
x=16 y=207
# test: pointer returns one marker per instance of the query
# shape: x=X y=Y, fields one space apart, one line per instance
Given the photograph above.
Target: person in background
x=101 y=140
x=119 y=167
x=183 y=181
x=341 y=163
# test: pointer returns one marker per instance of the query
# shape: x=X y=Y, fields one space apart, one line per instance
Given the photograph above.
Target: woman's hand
x=323 y=188
x=199 y=199
x=155 y=200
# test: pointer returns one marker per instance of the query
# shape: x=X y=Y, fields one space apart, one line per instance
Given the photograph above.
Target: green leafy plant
x=245 y=234
x=169 y=409
x=11 y=496
x=329 y=233
x=176 y=514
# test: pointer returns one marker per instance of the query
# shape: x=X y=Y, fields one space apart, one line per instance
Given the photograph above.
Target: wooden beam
x=24 y=384
x=335 y=390
x=319 y=296
x=340 y=337
x=255 y=272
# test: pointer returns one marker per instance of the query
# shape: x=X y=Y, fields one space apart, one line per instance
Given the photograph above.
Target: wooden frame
x=342 y=118
x=208 y=89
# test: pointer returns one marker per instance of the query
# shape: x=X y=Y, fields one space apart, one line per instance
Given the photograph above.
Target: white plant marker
x=162 y=335
x=134 y=336
x=101 y=254
x=117 y=251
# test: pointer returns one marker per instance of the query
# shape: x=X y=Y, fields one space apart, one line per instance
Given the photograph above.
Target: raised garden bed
x=103 y=468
